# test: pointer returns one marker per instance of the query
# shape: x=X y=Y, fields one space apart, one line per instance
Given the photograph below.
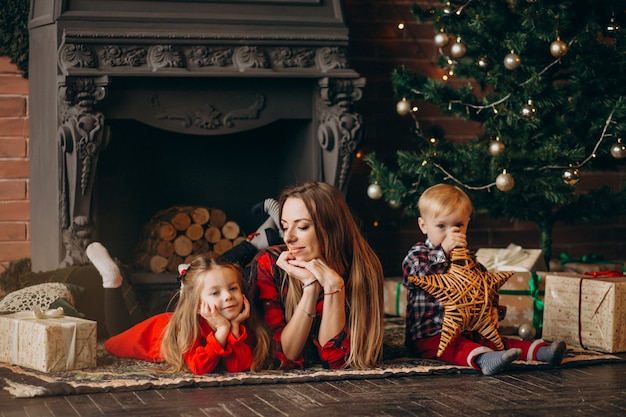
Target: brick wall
x=14 y=197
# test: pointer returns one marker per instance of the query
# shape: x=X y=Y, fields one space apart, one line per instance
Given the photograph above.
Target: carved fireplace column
x=82 y=135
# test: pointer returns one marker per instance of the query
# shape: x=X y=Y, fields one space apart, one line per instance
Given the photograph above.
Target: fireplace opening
x=144 y=170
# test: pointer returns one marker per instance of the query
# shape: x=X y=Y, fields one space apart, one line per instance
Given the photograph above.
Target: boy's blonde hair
x=443 y=199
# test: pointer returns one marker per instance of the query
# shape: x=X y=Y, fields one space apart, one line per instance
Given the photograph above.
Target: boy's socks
x=553 y=354
x=106 y=266
x=266 y=235
x=491 y=363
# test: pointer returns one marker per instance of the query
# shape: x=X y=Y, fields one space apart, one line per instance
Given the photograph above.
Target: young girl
x=322 y=292
x=205 y=332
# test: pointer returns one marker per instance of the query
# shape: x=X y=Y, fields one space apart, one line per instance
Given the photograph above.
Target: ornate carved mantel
x=93 y=60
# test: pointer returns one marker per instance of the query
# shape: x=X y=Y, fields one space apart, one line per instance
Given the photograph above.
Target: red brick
x=12 y=190
x=12 y=106
x=13 y=84
x=12 y=251
x=14 y=168
x=13 y=126
x=13 y=232
x=12 y=147
x=6 y=67
x=15 y=211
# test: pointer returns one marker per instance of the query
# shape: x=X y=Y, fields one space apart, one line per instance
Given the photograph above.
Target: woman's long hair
x=346 y=251
x=184 y=326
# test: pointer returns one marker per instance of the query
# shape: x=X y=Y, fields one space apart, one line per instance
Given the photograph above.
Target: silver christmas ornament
x=618 y=150
x=571 y=176
x=374 y=192
x=526 y=331
x=512 y=61
x=394 y=204
x=403 y=107
x=505 y=182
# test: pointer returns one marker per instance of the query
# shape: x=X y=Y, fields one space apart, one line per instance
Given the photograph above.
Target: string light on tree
x=612 y=27
x=505 y=182
x=571 y=176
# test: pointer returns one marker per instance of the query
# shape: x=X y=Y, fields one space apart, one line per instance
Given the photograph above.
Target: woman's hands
x=307 y=271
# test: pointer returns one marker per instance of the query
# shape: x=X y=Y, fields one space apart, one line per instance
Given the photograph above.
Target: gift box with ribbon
x=47 y=341
x=522 y=295
x=586 y=310
x=511 y=258
x=394 y=294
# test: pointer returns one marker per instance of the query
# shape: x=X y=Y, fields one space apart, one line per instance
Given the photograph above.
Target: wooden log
x=238 y=240
x=167 y=231
x=212 y=234
x=181 y=221
x=200 y=215
x=158 y=264
x=200 y=246
x=230 y=230
x=183 y=245
x=194 y=231
x=218 y=218
x=165 y=248
x=173 y=262
x=222 y=246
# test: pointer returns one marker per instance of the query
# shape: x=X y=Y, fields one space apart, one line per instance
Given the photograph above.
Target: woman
x=321 y=292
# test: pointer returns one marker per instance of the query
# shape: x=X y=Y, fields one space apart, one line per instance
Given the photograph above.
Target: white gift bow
x=68 y=330
x=507 y=259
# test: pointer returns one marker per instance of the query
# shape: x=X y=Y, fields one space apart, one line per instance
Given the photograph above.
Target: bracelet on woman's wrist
x=309 y=283
x=336 y=291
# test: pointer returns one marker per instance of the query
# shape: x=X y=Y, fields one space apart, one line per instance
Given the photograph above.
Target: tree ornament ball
x=571 y=176
x=505 y=182
x=529 y=111
x=618 y=150
x=374 y=192
x=403 y=107
x=558 y=48
x=496 y=147
x=526 y=331
x=394 y=204
x=441 y=39
x=482 y=63
x=458 y=49
x=512 y=61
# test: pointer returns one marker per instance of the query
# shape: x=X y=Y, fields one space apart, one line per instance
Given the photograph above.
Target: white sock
x=271 y=207
x=259 y=239
x=106 y=266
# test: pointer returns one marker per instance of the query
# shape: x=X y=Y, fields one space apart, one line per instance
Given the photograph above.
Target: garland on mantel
x=14 y=32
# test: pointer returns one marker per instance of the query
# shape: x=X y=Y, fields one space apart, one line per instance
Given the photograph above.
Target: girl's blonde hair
x=346 y=251
x=184 y=326
x=443 y=199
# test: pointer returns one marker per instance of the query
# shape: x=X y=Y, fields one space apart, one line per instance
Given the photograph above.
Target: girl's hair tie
x=182 y=271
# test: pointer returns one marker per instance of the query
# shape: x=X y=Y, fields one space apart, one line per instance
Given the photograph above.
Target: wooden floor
x=598 y=390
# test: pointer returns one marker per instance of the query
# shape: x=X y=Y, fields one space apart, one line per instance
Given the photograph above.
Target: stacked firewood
x=176 y=235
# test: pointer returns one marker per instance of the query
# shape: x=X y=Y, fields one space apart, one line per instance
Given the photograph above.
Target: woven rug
x=117 y=374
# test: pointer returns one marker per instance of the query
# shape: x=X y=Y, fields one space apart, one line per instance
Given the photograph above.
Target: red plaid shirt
x=266 y=275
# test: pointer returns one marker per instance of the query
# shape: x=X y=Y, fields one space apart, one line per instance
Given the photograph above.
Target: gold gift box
x=47 y=344
x=394 y=297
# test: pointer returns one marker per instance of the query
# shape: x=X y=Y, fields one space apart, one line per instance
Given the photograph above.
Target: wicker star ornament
x=467 y=295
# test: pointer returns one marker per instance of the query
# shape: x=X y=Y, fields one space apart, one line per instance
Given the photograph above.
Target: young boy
x=445 y=212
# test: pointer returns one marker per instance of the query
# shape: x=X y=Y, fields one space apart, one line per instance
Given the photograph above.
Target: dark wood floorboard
x=598 y=390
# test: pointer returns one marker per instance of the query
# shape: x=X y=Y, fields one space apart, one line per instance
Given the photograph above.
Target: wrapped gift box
x=586 y=311
x=511 y=258
x=394 y=297
x=519 y=295
x=582 y=267
x=47 y=344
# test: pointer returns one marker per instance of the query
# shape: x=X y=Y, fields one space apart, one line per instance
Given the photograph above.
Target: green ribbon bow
x=533 y=285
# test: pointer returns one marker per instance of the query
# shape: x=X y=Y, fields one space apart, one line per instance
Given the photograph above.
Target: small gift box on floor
x=48 y=344
x=586 y=311
x=522 y=295
x=511 y=258
x=588 y=263
x=394 y=294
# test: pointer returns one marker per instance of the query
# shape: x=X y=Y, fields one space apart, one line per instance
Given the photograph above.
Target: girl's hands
x=212 y=315
x=245 y=313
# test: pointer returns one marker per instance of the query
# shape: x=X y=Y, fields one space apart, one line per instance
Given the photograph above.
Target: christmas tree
x=546 y=80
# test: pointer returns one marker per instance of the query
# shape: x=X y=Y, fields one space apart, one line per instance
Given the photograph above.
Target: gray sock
x=493 y=362
x=553 y=354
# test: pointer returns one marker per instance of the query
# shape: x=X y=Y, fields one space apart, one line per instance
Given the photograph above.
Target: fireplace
x=137 y=106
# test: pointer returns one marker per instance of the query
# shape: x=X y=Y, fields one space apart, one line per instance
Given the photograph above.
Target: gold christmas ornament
x=394 y=204
x=441 y=39
x=529 y=111
x=558 y=48
x=618 y=150
x=458 y=49
x=571 y=176
x=512 y=61
x=403 y=107
x=467 y=295
x=482 y=63
x=526 y=331
x=505 y=182
x=496 y=147
x=374 y=192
